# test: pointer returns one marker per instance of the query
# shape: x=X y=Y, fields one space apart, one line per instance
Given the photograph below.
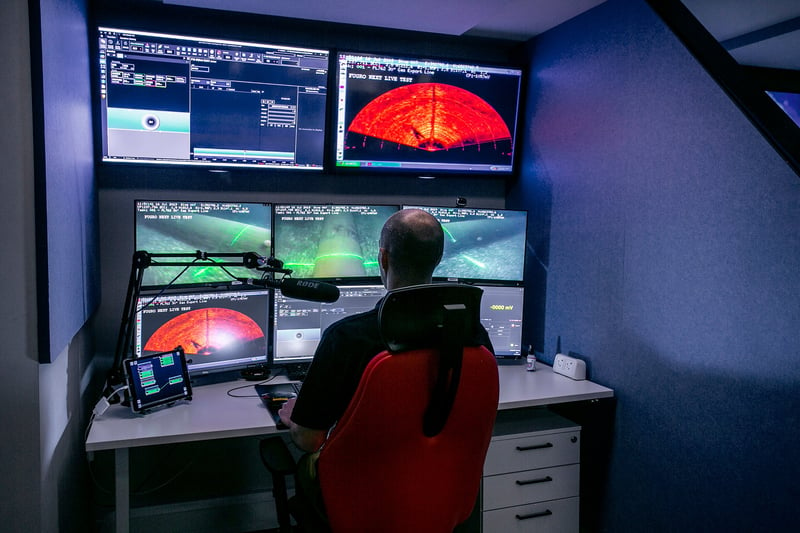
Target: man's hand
x=307 y=439
x=285 y=412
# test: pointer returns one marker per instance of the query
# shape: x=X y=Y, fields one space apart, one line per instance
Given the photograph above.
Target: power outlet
x=569 y=366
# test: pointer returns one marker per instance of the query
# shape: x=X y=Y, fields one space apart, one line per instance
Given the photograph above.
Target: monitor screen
x=218 y=331
x=178 y=99
x=330 y=241
x=157 y=379
x=183 y=227
x=501 y=315
x=789 y=103
x=423 y=115
x=481 y=244
x=298 y=324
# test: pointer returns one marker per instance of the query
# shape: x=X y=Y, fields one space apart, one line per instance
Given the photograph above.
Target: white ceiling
x=749 y=29
x=503 y=19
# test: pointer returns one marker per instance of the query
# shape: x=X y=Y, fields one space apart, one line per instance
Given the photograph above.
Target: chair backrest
x=379 y=470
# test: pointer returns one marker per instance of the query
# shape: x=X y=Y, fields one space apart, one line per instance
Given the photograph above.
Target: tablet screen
x=157 y=379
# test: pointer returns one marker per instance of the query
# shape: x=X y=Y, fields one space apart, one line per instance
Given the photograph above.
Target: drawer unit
x=557 y=516
x=530 y=486
x=533 y=451
x=531 y=477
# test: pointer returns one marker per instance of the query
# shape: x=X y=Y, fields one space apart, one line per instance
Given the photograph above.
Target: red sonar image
x=431 y=116
x=205 y=332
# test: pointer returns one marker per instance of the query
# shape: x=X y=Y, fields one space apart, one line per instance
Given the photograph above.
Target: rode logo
x=309 y=284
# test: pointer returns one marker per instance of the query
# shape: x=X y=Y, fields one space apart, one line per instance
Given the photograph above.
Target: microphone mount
x=142 y=260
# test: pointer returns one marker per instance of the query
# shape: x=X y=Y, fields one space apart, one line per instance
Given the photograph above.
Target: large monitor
x=481 y=244
x=180 y=99
x=501 y=315
x=395 y=113
x=218 y=330
x=184 y=227
x=338 y=242
x=298 y=324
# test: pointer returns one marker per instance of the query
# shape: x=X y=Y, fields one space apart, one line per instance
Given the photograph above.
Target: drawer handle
x=546 y=512
x=534 y=447
x=534 y=481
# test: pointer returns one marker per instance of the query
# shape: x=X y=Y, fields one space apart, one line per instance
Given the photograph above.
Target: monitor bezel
x=176 y=29
x=194 y=369
x=177 y=284
x=433 y=171
x=484 y=281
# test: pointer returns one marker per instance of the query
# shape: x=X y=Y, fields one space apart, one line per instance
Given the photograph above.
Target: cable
x=103 y=403
x=231 y=391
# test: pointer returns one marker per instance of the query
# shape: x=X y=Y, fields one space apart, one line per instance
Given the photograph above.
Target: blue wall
x=674 y=267
x=66 y=201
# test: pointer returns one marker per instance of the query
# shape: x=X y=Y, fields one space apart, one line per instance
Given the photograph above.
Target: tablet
x=157 y=379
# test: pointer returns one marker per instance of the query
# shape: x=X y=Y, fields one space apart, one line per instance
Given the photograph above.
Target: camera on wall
x=461 y=202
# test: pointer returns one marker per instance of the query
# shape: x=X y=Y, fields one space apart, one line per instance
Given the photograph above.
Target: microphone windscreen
x=314 y=291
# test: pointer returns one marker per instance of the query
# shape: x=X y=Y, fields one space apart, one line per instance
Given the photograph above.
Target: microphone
x=301 y=289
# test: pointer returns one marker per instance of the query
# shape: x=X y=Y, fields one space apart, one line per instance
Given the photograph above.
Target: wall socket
x=569 y=366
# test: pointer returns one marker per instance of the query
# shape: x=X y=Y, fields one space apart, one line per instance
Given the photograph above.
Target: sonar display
x=407 y=114
x=431 y=116
x=218 y=329
x=207 y=332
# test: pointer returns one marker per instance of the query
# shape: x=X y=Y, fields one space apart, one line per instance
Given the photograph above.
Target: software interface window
x=180 y=99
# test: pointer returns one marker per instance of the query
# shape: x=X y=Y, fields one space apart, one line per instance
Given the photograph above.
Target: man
x=411 y=245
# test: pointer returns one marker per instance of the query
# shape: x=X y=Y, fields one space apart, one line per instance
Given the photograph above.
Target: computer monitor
x=403 y=114
x=338 y=242
x=481 y=244
x=501 y=315
x=298 y=324
x=218 y=330
x=183 y=227
x=190 y=100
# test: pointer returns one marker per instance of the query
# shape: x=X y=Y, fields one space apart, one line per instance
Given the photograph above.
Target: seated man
x=411 y=245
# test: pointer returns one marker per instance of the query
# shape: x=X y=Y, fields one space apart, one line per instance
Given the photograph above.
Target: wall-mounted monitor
x=183 y=227
x=219 y=331
x=338 y=242
x=181 y=99
x=395 y=113
x=481 y=244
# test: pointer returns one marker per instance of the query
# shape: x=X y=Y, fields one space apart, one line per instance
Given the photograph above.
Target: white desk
x=213 y=414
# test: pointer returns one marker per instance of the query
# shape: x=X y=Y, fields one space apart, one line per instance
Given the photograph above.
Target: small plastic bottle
x=530 y=360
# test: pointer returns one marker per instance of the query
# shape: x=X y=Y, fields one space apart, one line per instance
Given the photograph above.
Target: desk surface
x=213 y=414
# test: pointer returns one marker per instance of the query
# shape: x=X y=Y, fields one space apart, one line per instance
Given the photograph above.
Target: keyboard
x=273 y=396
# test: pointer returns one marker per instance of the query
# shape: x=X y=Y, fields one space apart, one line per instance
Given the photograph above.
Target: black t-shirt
x=344 y=351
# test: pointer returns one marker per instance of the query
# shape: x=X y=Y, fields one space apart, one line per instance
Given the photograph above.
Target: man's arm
x=306 y=439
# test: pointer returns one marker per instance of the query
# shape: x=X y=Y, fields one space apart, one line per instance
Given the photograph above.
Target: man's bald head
x=411 y=245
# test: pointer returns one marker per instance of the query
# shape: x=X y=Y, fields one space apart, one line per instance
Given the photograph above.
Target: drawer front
x=533 y=451
x=531 y=486
x=558 y=516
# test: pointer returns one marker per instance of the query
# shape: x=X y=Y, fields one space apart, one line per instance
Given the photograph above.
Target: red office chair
x=408 y=453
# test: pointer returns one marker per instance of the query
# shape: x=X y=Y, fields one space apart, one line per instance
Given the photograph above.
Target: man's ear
x=383 y=259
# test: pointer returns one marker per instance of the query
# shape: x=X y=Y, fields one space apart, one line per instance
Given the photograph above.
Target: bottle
x=530 y=360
